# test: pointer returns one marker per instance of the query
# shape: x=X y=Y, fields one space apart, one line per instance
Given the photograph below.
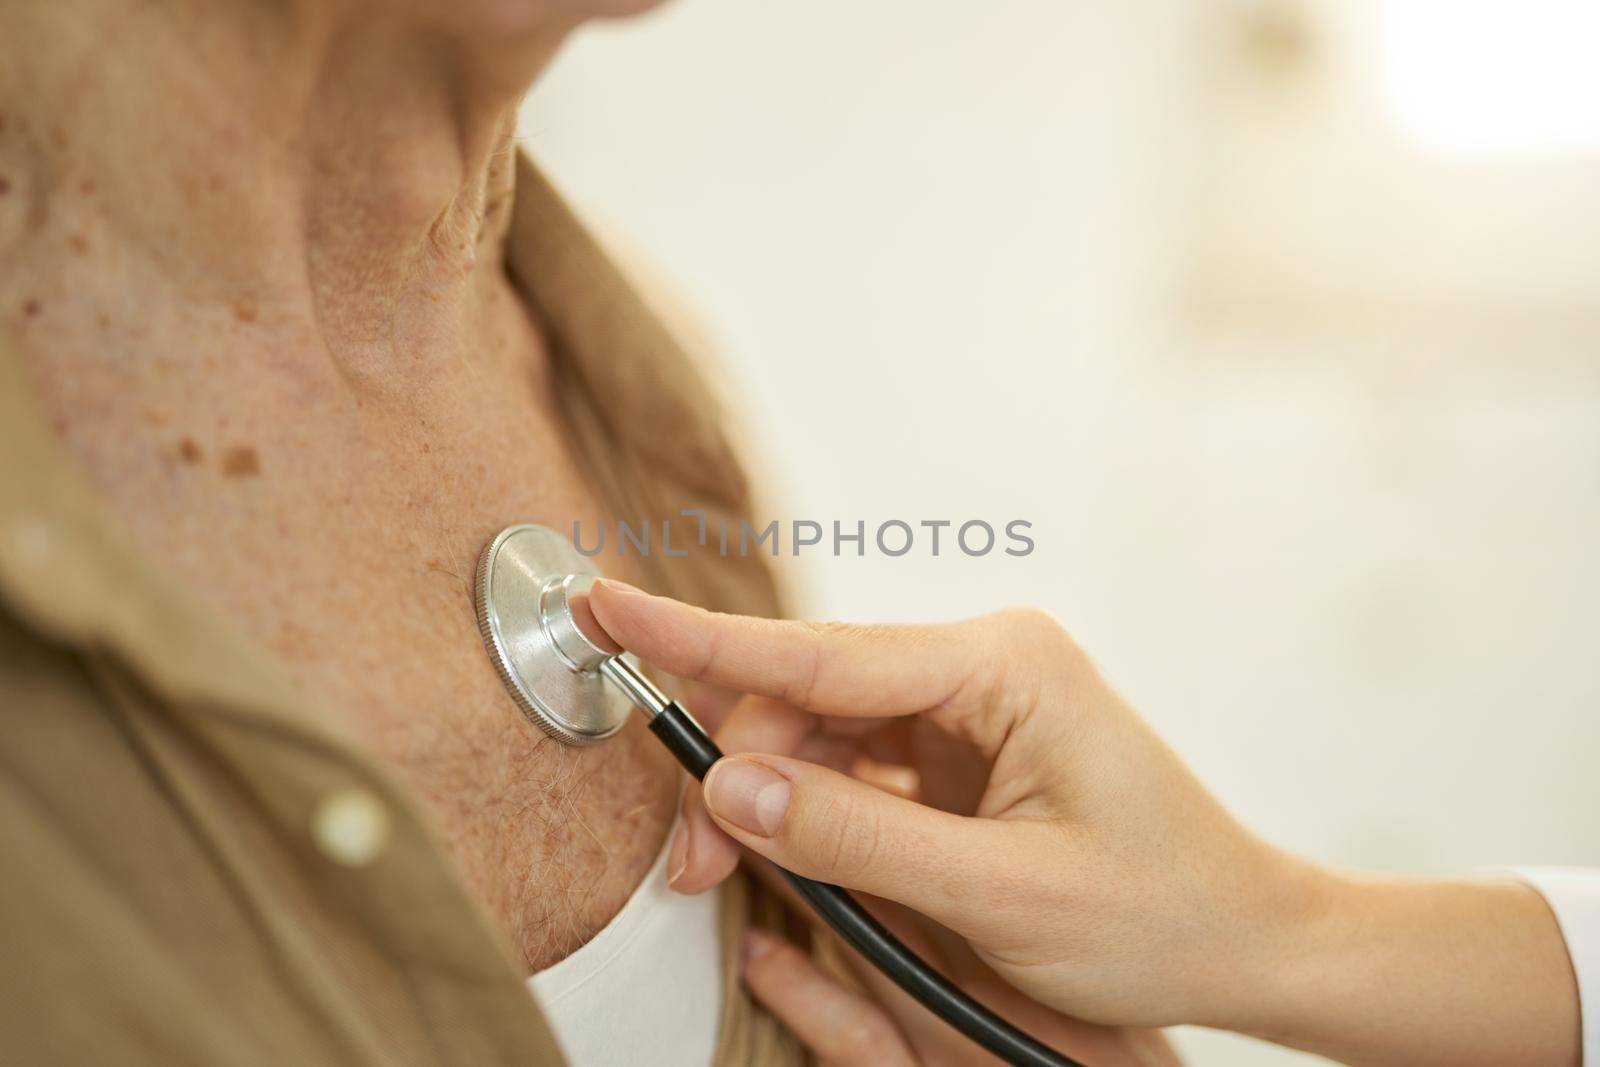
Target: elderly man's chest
x=342 y=532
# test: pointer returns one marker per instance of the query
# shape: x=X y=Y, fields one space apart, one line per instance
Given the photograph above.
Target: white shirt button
x=350 y=826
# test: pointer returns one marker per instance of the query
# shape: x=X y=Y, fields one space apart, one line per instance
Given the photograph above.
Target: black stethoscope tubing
x=689 y=743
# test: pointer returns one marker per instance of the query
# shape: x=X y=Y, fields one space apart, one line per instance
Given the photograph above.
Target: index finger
x=827 y=668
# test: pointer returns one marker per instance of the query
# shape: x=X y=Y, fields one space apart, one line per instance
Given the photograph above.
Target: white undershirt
x=647 y=988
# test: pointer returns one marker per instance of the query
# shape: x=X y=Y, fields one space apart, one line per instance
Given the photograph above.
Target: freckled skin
x=241 y=462
x=314 y=402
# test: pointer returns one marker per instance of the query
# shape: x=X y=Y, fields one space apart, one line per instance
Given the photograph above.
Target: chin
x=527 y=16
x=607 y=8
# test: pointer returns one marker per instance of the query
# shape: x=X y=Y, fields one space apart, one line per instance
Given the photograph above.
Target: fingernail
x=678 y=858
x=750 y=795
x=614 y=586
x=756 y=944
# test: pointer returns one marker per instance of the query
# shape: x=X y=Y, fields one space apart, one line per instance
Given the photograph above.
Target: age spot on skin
x=189 y=452
x=31 y=309
x=241 y=461
x=5 y=185
x=245 y=310
x=80 y=244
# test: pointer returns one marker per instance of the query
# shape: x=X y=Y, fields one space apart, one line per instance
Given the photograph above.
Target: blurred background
x=1279 y=319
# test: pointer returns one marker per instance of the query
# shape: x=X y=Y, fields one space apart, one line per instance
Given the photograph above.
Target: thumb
x=828 y=826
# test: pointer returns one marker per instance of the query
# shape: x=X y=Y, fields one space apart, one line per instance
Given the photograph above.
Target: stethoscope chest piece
x=526 y=577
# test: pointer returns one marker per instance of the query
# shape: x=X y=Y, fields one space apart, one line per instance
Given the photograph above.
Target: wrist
x=1310 y=953
x=1281 y=931
x=1382 y=970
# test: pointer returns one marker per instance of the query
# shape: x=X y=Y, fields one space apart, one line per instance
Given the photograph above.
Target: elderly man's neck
x=336 y=165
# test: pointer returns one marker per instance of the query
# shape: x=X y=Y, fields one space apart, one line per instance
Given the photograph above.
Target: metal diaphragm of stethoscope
x=529 y=579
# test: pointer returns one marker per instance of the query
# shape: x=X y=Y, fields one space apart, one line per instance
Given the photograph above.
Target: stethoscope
x=580 y=694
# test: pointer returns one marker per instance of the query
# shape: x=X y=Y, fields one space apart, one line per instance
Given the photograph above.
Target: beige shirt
x=196 y=868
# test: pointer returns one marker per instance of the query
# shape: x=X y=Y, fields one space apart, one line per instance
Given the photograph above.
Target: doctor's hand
x=984 y=774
